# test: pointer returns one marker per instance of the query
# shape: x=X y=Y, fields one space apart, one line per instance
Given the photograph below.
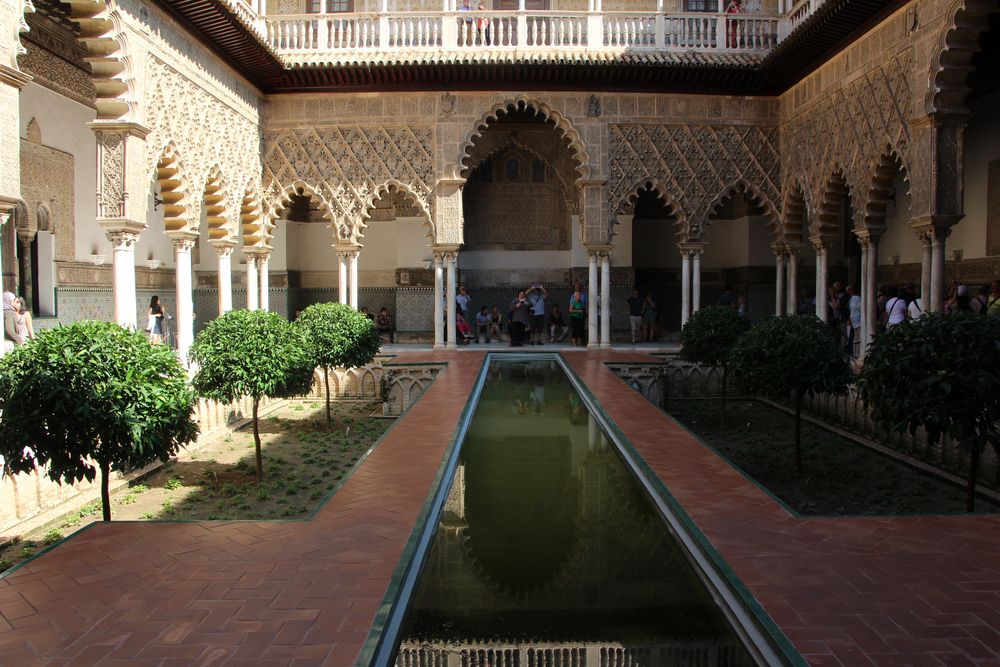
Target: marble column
x=26 y=237
x=779 y=283
x=863 y=293
x=352 y=270
x=184 y=329
x=592 y=300
x=5 y=212
x=605 y=259
x=438 y=300
x=871 y=285
x=696 y=280
x=451 y=261
x=342 y=292
x=685 y=286
x=792 y=266
x=822 y=277
x=263 y=269
x=123 y=275
x=925 y=270
x=252 y=282
x=938 y=239
x=224 y=252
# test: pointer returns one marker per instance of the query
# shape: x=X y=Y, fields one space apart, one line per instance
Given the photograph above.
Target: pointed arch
x=216 y=207
x=880 y=189
x=626 y=205
x=827 y=223
x=754 y=194
x=43 y=218
x=171 y=178
x=520 y=103
x=951 y=63
x=409 y=195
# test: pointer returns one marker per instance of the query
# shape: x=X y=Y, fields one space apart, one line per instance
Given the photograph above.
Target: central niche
x=518 y=194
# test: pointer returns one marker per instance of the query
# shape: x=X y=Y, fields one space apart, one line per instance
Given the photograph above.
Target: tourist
x=577 y=315
x=464 y=302
x=742 y=309
x=536 y=297
x=993 y=304
x=364 y=311
x=978 y=303
x=915 y=309
x=520 y=319
x=635 y=304
x=732 y=27
x=650 y=315
x=496 y=324
x=155 y=320
x=10 y=321
x=483 y=26
x=951 y=300
x=25 y=324
x=463 y=329
x=483 y=324
x=383 y=323
x=837 y=309
x=557 y=325
x=853 y=323
x=468 y=25
x=727 y=298
x=895 y=307
x=962 y=301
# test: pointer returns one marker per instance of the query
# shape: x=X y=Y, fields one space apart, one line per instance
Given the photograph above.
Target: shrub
x=709 y=336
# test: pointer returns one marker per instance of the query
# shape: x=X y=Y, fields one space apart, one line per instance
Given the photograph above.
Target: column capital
x=934 y=224
x=124 y=128
x=183 y=243
x=123 y=239
x=25 y=235
x=820 y=244
x=692 y=248
x=779 y=250
x=223 y=248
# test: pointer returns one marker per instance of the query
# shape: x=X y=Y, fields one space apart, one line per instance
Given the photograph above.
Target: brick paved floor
x=853 y=592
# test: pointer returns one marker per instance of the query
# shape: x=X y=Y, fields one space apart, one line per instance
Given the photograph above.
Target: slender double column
x=263 y=269
x=869 y=283
x=224 y=253
x=438 y=300
x=938 y=239
x=123 y=272
x=253 y=283
x=347 y=288
x=690 y=279
x=605 y=261
x=445 y=288
x=779 y=280
x=822 y=276
x=593 y=303
x=185 y=303
x=451 y=265
x=792 y=268
x=925 y=269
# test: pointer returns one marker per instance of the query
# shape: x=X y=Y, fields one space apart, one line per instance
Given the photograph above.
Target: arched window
x=513 y=170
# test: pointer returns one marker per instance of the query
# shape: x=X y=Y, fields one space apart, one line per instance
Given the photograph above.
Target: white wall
x=982 y=145
x=63 y=125
x=899 y=238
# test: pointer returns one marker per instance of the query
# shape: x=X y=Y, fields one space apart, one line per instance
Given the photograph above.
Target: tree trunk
x=798 y=432
x=105 y=492
x=724 y=369
x=326 y=381
x=970 y=489
x=256 y=441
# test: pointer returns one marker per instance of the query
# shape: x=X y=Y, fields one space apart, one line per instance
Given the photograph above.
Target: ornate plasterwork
x=952 y=54
x=47 y=190
x=693 y=167
x=348 y=168
x=206 y=135
x=849 y=129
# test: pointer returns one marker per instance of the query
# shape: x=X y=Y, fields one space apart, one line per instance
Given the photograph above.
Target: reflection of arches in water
x=522 y=504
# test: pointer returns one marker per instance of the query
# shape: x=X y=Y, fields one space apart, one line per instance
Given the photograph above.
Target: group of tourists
x=642 y=317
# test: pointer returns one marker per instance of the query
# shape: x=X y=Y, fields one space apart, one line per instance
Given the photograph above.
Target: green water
x=547 y=541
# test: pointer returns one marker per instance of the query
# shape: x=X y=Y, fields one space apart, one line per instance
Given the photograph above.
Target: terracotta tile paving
x=848 y=592
x=238 y=593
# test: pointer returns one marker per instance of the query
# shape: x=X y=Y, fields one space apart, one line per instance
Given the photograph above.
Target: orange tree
x=792 y=356
x=251 y=353
x=92 y=396
x=338 y=335
x=708 y=337
x=941 y=372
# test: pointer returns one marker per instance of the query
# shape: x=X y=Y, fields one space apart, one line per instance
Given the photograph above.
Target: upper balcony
x=285 y=46
x=462 y=34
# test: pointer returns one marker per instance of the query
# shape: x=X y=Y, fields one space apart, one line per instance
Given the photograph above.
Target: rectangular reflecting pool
x=548 y=550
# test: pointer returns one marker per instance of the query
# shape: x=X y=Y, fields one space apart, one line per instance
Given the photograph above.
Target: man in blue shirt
x=536 y=297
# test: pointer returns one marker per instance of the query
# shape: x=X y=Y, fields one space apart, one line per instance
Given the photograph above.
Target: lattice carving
x=207 y=132
x=846 y=130
x=349 y=167
x=694 y=167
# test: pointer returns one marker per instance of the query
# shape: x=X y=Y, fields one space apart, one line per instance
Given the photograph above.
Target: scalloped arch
x=215 y=202
x=172 y=179
x=957 y=42
x=521 y=103
x=744 y=187
x=279 y=199
x=626 y=203
x=826 y=224
x=883 y=173
x=106 y=44
x=408 y=194
x=794 y=212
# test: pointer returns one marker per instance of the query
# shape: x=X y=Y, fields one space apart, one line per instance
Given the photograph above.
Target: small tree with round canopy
x=251 y=353
x=941 y=372
x=709 y=336
x=92 y=396
x=795 y=355
x=338 y=336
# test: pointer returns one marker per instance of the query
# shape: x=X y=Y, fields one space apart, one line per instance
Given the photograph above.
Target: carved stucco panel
x=693 y=164
x=9 y=145
x=207 y=133
x=849 y=128
x=346 y=165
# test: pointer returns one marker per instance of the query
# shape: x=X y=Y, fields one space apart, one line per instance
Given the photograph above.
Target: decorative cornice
x=13 y=77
